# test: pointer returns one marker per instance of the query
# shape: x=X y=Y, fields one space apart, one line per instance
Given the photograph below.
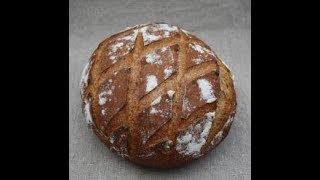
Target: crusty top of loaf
x=155 y=89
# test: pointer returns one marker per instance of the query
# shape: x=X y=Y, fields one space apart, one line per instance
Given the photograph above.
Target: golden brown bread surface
x=157 y=95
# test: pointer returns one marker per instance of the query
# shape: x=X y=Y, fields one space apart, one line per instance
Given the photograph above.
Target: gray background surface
x=225 y=25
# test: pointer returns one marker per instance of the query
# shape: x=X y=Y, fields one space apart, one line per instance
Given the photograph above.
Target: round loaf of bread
x=157 y=95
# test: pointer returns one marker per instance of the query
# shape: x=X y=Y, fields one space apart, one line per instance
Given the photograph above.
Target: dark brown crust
x=121 y=131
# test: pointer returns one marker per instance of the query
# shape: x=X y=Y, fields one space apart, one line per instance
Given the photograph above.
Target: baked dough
x=157 y=95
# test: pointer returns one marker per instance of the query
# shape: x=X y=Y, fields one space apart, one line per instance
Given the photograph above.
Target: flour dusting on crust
x=149 y=36
x=197 y=61
x=232 y=76
x=103 y=112
x=201 y=49
x=85 y=76
x=185 y=31
x=151 y=32
x=218 y=137
x=152 y=82
x=186 y=106
x=157 y=66
x=225 y=65
x=103 y=96
x=131 y=27
x=154 y=116
x=190 y=142
x=87 y=111
x=197 y=47
x=118 y=142
x=153 y=58
x=206 y=90
x=234 y=83
x=170 y=93
x=164 y=49
x=167 y=72
x=156 y=101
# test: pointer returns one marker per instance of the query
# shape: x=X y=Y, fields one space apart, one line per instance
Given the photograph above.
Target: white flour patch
x=115 y=47
x=150 y=37
x=206 y=90
x=111 y=140
x=234 y=83
x=153 y=111
x=126 y=43
x=164 y=49
x=229 y=121
x=186 y=32
x=218 y=137
x=156 y=101
x=120 y=150
x=152 y=82
x=147 y=37
x=153 y=58
x=197 y=47
x=170 y=93
x=109 y=92
x=85 y=76
x=201 y=49
x=131 y=27
x=150 y=154
x=226 y=65
x=186 y=107
x=103 y=112
x=102 y=98
x=167 y=27
x=159 y=27
x=197 y=60
x=130 y=37
x=168 y=72
x=87 y=111
x=189 y=144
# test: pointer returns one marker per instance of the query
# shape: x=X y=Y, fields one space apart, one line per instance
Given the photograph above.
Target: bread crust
x=157 y=95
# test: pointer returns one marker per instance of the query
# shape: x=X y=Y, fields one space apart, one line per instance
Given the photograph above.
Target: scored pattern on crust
x=173 y=99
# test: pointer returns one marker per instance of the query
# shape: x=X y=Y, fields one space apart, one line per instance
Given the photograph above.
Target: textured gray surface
x=225 y=25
